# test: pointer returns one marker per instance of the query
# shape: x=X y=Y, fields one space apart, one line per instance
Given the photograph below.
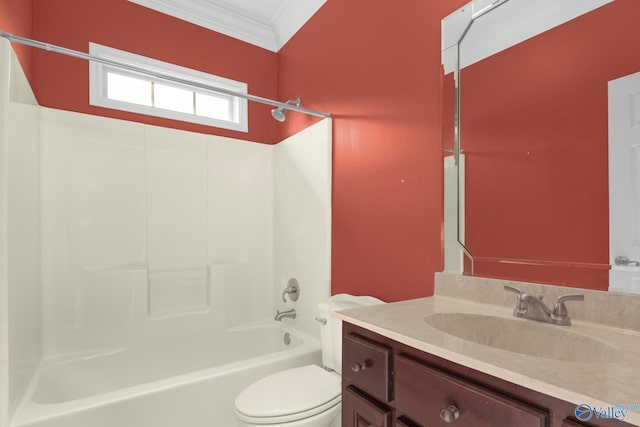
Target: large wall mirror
x=533 y=135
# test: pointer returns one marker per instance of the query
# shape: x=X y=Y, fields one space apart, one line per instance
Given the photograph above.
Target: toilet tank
x=331 y=331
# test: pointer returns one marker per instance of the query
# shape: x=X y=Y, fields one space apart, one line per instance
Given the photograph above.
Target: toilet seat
x=290 y=395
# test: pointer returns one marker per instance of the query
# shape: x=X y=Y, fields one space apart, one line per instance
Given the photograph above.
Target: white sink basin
x=525 y=337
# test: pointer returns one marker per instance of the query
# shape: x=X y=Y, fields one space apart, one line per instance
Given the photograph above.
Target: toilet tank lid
x=355 y=300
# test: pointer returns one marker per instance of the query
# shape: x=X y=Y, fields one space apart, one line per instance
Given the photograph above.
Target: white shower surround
x=145 y=226
x=233 y=214
x=143 y=222
x=20 y=322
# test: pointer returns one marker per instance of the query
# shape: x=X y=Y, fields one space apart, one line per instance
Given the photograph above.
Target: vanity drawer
x=429 y=397
x=367 y=364
x=359 y=411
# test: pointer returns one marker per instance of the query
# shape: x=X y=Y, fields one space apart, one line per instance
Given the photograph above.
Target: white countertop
x=601 y=384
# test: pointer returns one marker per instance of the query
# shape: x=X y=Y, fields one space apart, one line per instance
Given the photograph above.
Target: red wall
x=16 y=18
x=375 y=66
x=63 y=83
x=536 y=153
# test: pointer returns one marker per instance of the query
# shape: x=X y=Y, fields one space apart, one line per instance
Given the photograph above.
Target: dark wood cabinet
x=390 y=384
x=433 y=398
x=360 y=411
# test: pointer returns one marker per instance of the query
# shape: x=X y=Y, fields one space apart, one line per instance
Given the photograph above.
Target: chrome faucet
x=287 y=313
x=531 y=307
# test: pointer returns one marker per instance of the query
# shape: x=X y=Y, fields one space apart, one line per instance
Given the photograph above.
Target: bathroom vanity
x=401 y=369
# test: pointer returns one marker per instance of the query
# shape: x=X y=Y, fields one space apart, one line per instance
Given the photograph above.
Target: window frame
x=98 y=73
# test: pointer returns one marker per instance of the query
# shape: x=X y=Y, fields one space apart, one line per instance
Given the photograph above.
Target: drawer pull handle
x=360 y=366
x=449 y=414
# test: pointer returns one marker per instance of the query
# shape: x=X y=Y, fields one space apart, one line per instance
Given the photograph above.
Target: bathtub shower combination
x=146 y=265
x=188 y=380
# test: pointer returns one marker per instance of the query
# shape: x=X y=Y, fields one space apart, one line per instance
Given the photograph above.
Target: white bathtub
x=185 y=380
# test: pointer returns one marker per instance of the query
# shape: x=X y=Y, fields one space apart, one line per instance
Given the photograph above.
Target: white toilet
x=308 y=396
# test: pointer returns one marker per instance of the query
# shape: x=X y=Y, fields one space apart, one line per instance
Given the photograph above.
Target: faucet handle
x=521 y=303
x=559 y=309
x=293 y=289
x=513 y=289
x=521 y=294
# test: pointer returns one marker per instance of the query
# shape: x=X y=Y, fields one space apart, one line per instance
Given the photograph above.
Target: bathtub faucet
x=292 y=289
x=287 y=313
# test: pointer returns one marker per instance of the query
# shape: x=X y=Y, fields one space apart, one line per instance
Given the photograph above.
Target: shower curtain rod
x=81 y=55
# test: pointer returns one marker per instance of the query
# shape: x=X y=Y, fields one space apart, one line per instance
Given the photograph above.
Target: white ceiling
x=265 y=23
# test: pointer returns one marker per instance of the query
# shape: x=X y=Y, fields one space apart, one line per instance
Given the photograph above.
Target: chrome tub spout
x=287 y=313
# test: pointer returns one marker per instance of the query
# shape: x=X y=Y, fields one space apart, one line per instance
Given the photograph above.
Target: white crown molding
x=269 y=30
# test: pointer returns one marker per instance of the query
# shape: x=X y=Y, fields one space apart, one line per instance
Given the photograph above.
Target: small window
x=122 y=89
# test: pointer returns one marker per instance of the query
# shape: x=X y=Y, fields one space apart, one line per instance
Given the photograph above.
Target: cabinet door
x=435 y=398
x=359 y=411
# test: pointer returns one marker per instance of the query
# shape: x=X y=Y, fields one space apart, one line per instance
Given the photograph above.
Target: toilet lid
x=293 y=394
